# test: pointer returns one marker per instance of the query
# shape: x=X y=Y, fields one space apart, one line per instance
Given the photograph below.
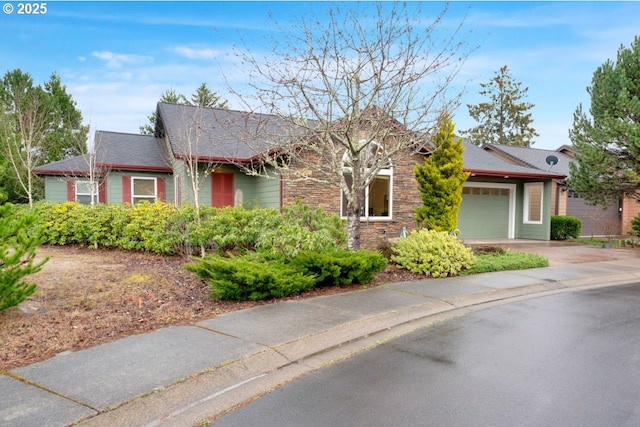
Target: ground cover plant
x=502 y=259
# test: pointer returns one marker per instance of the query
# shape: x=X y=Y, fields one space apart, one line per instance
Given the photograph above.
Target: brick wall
x=404 y=198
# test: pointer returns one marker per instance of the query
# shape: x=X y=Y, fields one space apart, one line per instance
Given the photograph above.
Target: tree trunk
x=353 y=230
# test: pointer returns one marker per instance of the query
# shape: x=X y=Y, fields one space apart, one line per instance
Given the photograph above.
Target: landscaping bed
x=87 y=297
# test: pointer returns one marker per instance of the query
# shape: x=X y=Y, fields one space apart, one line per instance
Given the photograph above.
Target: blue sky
x=116 y=58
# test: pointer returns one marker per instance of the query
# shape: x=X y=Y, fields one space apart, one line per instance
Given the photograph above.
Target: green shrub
x=564 y=227
x=635 y=226
x=241 y=278
x=166 y=229
x=432 y=253
x=340 y=266
x=18 y=243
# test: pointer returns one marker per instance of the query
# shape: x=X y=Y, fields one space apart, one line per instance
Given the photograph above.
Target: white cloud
x=117 y=60
x=193 y=53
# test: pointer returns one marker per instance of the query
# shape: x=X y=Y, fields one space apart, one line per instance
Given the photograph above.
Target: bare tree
x=192 y=139
x=23 y=128
x=366 y=87
x=94 y=154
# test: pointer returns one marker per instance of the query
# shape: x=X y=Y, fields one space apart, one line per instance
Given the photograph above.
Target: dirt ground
x=87 y=297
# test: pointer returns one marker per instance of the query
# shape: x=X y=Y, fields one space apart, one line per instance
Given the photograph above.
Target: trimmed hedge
x=564 y=227
x=168 y=229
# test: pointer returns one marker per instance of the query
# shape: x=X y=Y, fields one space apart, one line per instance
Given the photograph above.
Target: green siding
x=114 y=184
x=268 y=191
x=55 y=189
x=534 y=231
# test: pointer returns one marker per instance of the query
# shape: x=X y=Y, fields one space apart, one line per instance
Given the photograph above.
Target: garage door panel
x=595 y=220
x=484 y=213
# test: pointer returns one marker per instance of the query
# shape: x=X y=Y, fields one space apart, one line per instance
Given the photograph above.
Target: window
x=377 y=196
x=143 y=189
x=83 y=192
x=533 y=193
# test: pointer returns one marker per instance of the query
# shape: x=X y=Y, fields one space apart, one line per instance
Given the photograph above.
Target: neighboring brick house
x=501 y=200
x=614 y=219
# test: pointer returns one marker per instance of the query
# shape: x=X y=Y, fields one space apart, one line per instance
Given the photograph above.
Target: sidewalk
x=180 y=376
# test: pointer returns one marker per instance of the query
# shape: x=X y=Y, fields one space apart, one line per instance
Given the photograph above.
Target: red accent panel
x=221 y=189
x=102 y=191
x=71 y=191
x=162 y=189
x=126 y=189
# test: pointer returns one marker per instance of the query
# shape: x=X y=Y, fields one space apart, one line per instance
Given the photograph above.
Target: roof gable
x=481 y=163
x=214 y=134
x=533 y=157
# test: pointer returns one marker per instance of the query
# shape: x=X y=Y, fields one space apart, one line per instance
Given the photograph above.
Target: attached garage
x=487 y=211
x=595 y=220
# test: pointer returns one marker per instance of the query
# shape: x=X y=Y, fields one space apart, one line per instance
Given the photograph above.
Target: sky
x=116 y=58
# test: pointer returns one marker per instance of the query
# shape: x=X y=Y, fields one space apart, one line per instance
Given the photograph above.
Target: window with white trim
x=378 y=195
x=144 y=189
x=84 y=193
x=533 y=202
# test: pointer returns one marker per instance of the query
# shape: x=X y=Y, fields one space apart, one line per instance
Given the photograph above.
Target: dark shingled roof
x=481 y=163
x=534 y=157
x=222 y=135
x=116 y=151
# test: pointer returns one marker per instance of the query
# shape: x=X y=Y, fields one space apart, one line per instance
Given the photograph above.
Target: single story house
x=501 y=199
x=611 y=220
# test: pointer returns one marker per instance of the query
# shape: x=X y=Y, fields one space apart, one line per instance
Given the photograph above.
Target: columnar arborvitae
x=440 y=181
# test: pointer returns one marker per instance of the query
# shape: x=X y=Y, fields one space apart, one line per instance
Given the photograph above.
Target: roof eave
x=507 y=174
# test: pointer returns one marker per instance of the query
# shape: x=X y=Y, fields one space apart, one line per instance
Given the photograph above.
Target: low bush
x=340 y=267
x=564 y=227
x=269 y=274
x=241 y=278
x=432 y=253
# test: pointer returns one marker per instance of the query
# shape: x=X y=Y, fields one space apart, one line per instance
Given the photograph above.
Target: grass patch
x=503 y=261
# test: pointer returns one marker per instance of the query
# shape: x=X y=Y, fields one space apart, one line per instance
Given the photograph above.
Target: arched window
x=378 y=195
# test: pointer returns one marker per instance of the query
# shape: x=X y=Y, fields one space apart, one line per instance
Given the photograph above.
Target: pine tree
x=504 y=119
x=607 y=143
x=440 y=181
x=17 y=252
x=204 y=97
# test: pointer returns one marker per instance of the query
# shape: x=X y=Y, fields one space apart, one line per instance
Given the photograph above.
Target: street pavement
x=187 y=375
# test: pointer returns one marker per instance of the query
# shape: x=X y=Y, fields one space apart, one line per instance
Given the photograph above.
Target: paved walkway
x=180 y=376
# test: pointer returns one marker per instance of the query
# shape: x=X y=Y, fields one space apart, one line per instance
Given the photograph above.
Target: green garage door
x=484 y=213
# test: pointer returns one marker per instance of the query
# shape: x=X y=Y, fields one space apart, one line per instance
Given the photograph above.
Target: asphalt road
x=570 y=359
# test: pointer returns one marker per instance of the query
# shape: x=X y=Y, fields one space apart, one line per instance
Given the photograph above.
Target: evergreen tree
x=504 y=119
x=38 y=125
x=17 y=253
x=169 y=95
x=204 y=97
x=607 y=141
x=440 y=181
